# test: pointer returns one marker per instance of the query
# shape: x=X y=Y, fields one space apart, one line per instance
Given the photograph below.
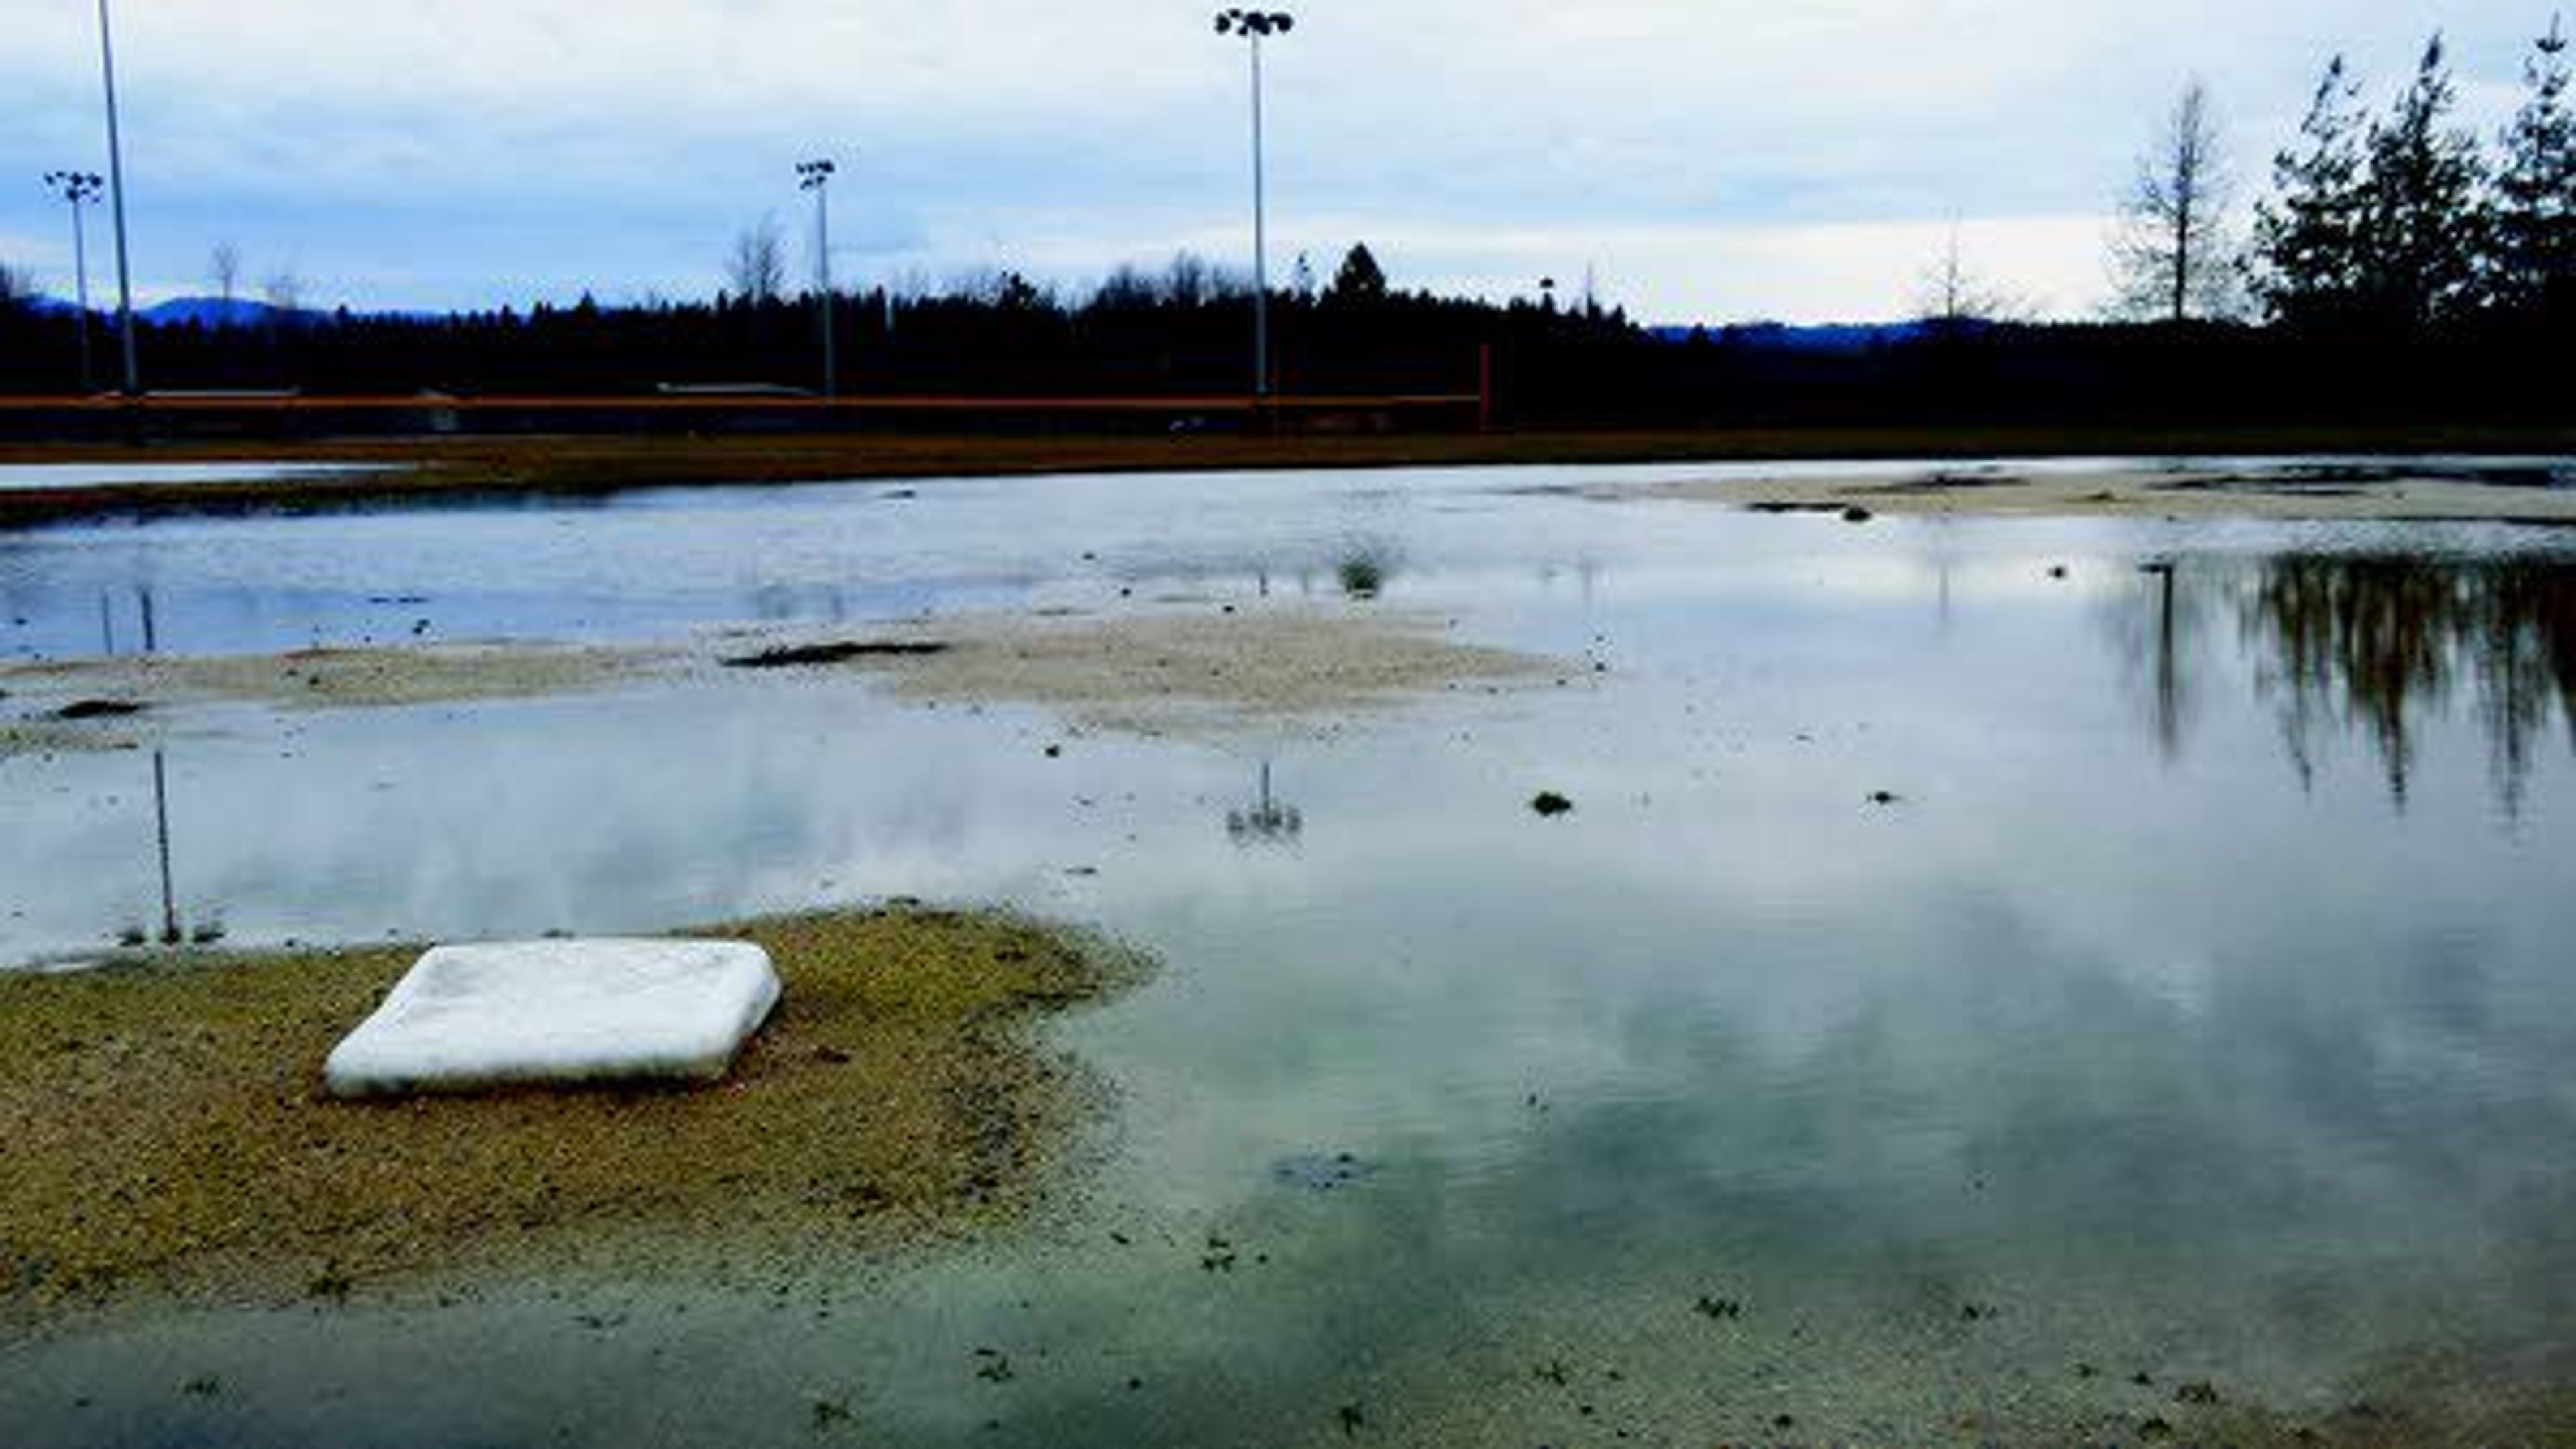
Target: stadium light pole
x=116 y=192
x=80 y=189
x=816 y=177
x=1255 y=26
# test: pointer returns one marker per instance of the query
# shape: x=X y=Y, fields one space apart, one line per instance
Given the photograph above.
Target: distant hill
x=1824 y=337
x=214 y=313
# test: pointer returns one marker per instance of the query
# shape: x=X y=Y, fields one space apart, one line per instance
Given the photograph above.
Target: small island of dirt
x=164 y=1130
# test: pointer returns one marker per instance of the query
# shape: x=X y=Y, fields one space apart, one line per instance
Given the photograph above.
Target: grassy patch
x=163 y=1128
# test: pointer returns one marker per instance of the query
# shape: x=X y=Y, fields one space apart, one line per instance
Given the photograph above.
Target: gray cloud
x=1712 y=159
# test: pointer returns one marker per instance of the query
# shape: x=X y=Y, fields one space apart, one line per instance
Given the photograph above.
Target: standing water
x=2022 y=981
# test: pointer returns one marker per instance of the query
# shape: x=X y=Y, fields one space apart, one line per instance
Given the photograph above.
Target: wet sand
x=2394 y=492
x=163 y=1129
x=60 y=737
x=1194 y=669
x=366 y=678
x=1207 y=669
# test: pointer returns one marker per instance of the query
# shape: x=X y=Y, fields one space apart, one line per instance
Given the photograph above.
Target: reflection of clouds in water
x=618 y=813
x=2109 y=1020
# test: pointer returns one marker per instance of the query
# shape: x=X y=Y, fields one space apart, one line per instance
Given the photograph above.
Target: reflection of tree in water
x=2527 y=658
x=2376 y=643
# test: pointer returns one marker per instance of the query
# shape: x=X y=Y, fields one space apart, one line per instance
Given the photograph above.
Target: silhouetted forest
x=1551 y=365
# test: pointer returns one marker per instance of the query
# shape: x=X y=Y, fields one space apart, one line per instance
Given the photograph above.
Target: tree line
x=2398 y=222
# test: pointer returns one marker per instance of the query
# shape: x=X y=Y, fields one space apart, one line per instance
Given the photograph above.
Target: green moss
x=163 y=1128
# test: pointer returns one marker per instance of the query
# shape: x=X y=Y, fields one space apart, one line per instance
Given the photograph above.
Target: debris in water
x=811 y=656
x=1551 y=804
x=98 y=709
x=1318 y=1172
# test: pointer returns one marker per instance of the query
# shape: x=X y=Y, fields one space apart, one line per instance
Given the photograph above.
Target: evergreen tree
x=2423 y=228
x=2533 y=241
x=2307 y=235
x=1360 y=278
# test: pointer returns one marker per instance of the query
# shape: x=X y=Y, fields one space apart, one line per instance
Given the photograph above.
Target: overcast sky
x=1709 y=159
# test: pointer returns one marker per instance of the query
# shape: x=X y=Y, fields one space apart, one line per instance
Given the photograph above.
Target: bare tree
x=17 y=289
x=1953 y=296
x=1193 y=281
x=224 y=268
x=284 y=294
x=2173 y=254
x=756 y=267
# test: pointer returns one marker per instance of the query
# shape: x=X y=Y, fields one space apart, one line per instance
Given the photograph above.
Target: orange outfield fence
x=727 y=402
x=441 y=414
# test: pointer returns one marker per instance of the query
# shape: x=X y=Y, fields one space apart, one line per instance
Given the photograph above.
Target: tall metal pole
x=116 y=184
x=823 y=262
x=1255 y=26
x=816 y=177
x=1260 y=241
x=80 y=288
x=80 y=189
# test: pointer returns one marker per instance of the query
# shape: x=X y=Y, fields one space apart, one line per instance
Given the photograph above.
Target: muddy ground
x=164 y=1129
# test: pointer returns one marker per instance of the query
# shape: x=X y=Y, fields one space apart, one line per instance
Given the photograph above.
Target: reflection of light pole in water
x=1267 y=823
x=170 y=932
x=2168 y=664
x=1255 y=26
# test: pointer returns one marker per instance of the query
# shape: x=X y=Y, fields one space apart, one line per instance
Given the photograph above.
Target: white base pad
x=545 y=1013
